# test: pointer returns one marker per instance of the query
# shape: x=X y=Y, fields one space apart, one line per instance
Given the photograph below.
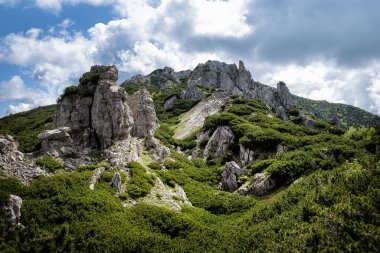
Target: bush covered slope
x=25 y=126
x=350 y=116
x=327 y=198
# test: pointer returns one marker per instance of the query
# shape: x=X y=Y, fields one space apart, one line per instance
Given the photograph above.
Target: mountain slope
x=250 y=177
x=350 y=116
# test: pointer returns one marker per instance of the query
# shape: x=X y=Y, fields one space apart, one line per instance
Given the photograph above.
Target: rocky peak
x=285 y=97
x=107 y=72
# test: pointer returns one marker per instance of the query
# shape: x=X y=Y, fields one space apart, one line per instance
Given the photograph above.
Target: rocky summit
x=202 y=160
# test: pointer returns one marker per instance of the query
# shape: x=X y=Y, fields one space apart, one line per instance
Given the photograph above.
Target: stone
x=247 y=156
x=144 y=114
x=195 y=117
x=262 y=185
x=219 y=142
x=13 y=164
x=285 y=97
x=230 y=176
x=157 y=151
x=11 y=211
x=111 y=117
x=116 y=182
x=57 y=142
x=169 y=102
x=280 y=113
x=95 y=177
x=281 y=149
x=107 y=72
x=192 y=92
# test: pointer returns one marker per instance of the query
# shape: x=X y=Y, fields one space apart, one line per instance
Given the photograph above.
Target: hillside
x=189 y=162
x=350 y=116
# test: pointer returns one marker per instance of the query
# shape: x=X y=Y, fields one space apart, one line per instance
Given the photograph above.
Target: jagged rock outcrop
x=262 y=184
x=195 y=117
x=285 y=98
x=219 y=142
x=230 y=175
x=193 y=92
x=13 y=164
x=144 y=114
x=102 y=115
x=11 y=211
x=111 y=117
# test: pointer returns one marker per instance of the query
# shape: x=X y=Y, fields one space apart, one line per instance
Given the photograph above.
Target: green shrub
x=89 y=77
x=155 y=166
x=140 y=183
x=106 y=176
x=50 y=163
x=8 y=186
x=93 y=166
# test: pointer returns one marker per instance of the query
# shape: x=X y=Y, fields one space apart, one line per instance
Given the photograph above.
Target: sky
x=322 y=49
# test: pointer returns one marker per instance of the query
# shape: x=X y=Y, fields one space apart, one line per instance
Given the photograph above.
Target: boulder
x=219 y=142
x=57 y=142
x=281 y=149
x=169 y=102
x=11 y=211
x=193 y=92
x=230 y=176
x=262 y=185
x=285 y=97
x=280 y=113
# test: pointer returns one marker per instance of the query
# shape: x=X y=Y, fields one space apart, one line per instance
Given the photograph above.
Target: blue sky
x=324 y=50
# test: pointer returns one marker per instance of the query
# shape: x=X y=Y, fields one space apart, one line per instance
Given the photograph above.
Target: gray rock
x=11 y=212
x=262 y=185
x=219 y=142
x=280 y=113
x=13 y=164
x=95 y=177
x=230 y=176
x=247 y=156
x=157 y=151
x=107 y=72
x=57 y=142
x=284 y=95
x=144 y=114
x=116 y=182
x=111 y=117
x=169 y=102
x=281 y=149
x=192 y=92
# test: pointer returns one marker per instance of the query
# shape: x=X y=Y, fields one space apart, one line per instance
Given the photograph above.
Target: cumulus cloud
x=9 y=2
x=12 y=89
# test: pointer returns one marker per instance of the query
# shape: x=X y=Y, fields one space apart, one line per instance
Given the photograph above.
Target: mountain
x=207 y=160
x=350 y=116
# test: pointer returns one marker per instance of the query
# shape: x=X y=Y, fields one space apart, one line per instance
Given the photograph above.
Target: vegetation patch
x=50 y=163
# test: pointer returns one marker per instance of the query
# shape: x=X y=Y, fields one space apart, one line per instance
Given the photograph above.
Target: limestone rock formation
x=195 y=117
x=13 y=164
x=230 y=176
x=285 y=98
x=219 y=142
x=57 y=142
x=11 y=211
x=144 y=114
x=262 y=185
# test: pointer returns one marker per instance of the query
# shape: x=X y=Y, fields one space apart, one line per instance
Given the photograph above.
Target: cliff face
x=99 y=113
x=236 y=80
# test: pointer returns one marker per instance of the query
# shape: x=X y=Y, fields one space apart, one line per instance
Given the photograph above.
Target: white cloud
x=12 y=89
x=19 y=108
x=9 y=2
x=324 y=80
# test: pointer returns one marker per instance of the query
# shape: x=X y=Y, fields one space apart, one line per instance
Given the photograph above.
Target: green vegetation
x=140 y=183
x=327 y=199
x=349 y=115
x=50 y=163
x=25 y=126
